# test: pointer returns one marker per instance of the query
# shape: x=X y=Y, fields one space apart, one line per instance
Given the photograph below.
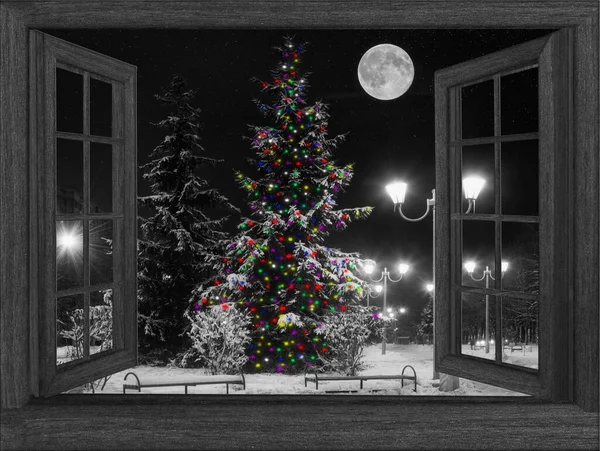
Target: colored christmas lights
x=278 y=267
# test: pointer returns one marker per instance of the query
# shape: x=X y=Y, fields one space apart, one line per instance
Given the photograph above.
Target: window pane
x=478 y=161
x=69 y=176
x=520 y=173
x=100 y=178
x=520 y=249
x=478 y=250
x=101 y=321
x=477 y=332
x=69 y=254
x=69 y=328
x=100 y=108
x=478 y=110
x=69 y=101
x=520 y=332
x=519 y=102
x=101 y=259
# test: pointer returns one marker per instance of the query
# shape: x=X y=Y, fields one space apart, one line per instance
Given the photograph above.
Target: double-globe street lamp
x=487 y=275
x=397 y=190
x=385 y=276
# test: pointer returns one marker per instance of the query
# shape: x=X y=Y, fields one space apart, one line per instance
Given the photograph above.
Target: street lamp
x=472 y=186
x=487 y=275
x=69 y=240
x=378 y=289
x=397 y=191
x=385 y=276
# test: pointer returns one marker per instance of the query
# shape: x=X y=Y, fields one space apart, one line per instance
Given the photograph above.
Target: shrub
x=100 y=328
x=219 y=337
x=344 y=335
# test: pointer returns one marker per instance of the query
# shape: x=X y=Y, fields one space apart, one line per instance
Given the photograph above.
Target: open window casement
x=83 y=116
x=521 y=147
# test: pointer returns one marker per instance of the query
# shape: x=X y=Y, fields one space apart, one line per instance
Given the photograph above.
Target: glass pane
x=101 y=321
x=520 y=332
x=100 y=108
x=519 y=102
x=478 y=110
x=478 y=315
x=478 y=253
x=520 y=249
x=69 y=101
x=100 y=178
x=478 y=161
x=101 y=261
x=69 y=328
x=69 y=254
x=520 y=172
x=69 y=176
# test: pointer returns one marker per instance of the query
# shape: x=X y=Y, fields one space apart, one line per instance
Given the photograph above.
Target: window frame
x=48 y=53
x=552 y=55
x=19 y=270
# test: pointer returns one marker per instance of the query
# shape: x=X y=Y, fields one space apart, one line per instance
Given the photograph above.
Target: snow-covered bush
x=100 y=328
x=220 y=335
x=344 y=335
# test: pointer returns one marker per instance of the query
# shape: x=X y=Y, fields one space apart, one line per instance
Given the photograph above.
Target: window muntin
x=84 y=246
x=504 y=212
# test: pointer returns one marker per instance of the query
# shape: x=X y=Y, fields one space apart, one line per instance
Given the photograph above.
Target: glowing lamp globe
x=470 y=266
x=369 y=268
x=402 y=310
x=66 y=240
x=504 y=266
x=378 y=288
x=472 y=186
x=429 y=287
x=397 y=191
x=403 y=268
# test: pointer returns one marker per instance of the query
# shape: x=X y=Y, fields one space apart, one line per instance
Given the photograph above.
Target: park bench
x=316 y=378
x=139 y=382
x=514 y=347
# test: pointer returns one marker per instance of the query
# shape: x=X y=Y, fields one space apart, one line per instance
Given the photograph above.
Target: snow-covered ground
x=420 y=357
x=522 y=356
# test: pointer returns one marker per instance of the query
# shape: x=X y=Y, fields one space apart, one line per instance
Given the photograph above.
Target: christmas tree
x=179 y=235
x=278 y=267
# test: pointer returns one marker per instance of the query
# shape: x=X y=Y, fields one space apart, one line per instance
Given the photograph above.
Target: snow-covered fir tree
x=278 y=266
x=179 y=234
x=426 y=325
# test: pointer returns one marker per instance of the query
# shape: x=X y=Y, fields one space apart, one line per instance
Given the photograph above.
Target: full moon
x=385 y=71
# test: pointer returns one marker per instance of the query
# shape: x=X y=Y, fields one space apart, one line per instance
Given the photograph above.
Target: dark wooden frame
x=46 y=53
x=552 y=55
x=19 y=269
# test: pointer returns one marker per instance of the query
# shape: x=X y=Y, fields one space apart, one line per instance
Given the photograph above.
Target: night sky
x=387 y=140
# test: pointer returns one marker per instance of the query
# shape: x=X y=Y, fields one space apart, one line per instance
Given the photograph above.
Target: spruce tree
x=179 y=235
x=278 y=267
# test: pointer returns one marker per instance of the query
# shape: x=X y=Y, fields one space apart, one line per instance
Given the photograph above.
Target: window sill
x=268 y=421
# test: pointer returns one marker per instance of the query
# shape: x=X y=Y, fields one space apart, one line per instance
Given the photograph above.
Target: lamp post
x=397 y=190
x=385 y=276
x=429 y=287
x=487 y=275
